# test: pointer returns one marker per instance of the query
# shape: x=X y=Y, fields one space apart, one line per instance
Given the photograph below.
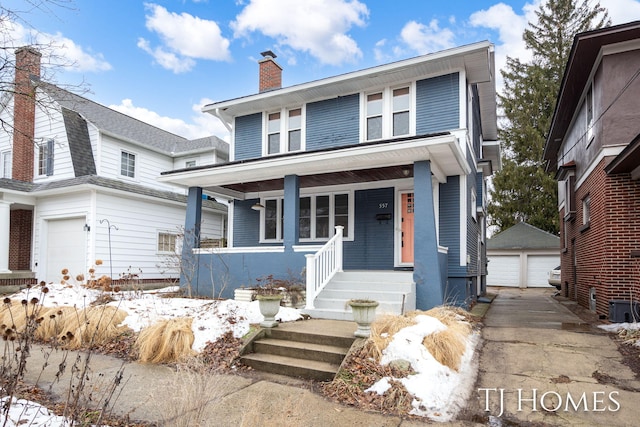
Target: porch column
x=5 y=218
x=291 y=212
x=191 y=240
x=426 y=268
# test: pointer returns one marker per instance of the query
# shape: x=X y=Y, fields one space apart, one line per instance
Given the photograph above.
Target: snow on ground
x=617 y=327
x=439 y=392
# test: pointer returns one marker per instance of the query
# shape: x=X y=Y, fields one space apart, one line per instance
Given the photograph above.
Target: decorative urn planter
x=269 y=307
x=364 y=312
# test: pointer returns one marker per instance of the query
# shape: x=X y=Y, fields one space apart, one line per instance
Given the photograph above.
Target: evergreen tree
x=522 y=190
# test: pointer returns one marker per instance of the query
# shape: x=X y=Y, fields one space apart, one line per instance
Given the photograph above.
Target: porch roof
x=380 y=160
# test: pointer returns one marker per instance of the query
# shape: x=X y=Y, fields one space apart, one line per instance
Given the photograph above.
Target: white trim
x=604 y=152
x=444 y=152
x=240 y=250
x=397 y=226
x=463 y=220
x=462 y=100
x=307 y=248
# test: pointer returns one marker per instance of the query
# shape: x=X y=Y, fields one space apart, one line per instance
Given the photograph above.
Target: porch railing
x=323 y=265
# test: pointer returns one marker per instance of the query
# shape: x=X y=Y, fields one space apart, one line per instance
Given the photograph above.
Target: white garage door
x=66 y=248
x=538 y=267
x=503 y=270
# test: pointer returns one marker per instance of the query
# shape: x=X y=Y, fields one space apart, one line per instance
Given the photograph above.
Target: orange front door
x=407 y=228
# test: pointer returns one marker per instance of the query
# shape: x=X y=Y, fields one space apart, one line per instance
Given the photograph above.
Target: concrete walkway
x=540 y=365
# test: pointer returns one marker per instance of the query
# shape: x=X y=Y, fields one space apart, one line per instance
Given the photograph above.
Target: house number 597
x=383 y=205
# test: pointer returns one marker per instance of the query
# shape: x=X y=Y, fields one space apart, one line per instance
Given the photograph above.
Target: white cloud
x=622 y=11
x=184 y=38
x=510 y=27
x=319 y=27
x=57 y=50
x=203 y=124
x=429 y=38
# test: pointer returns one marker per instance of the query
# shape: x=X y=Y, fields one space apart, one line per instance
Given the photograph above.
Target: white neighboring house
x=78 y=184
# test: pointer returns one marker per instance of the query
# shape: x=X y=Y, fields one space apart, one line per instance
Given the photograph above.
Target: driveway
x=542 y=365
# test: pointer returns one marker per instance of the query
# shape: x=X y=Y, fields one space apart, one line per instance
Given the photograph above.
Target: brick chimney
x=270 y=72
x=24 y=113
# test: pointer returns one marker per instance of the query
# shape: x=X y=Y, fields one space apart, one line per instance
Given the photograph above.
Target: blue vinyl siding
x=438 y=104
x=246 y=223
x=372 y=248
x=450 y=224
x=248 y=137
x=333 y=122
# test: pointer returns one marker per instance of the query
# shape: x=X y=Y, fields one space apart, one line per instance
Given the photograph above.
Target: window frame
x=131 y=155
x=161 y=244
x=389 y=111
x=586 y=212
x=589 y=113
x=45 y=158
x=284 y=128
x=348 y=234
x=6 y=163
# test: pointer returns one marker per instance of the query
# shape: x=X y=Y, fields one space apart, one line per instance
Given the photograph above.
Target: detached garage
x=522 y=256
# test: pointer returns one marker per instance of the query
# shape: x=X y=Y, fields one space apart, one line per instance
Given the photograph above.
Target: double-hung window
x=318 y=217
x=127 y=164
x=401 y=104
x=387 y=113
x=284 y=130
x=45 y=158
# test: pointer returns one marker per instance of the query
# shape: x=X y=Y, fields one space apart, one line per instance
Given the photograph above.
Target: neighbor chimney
x=24 y=113
x=270 y=72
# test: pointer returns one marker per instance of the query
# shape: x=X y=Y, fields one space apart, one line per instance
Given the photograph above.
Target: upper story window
x=374 y=116
x=401 y=104
x=45 y=158
x=6 y=164
x=318 y=217
x=589 y=113
x=388 y=113
x=127 y=164
x=284 y=131
x=189 y=163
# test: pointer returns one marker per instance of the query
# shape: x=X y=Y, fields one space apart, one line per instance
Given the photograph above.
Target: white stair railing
x=323 y=265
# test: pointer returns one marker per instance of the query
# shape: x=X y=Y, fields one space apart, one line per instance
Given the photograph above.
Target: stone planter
x=269 y=307
x=364 y=312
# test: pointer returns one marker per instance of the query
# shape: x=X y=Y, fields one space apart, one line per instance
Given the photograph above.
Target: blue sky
x=160 y=61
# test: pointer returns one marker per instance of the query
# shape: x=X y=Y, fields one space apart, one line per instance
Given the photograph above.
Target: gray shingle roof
x=114 y=184
x=129 y=128
x=523 y=236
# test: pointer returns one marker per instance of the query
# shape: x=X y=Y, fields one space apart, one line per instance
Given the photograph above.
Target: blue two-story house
x=370 y=184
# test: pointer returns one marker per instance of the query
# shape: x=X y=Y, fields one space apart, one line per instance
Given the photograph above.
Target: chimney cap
x=268 y=54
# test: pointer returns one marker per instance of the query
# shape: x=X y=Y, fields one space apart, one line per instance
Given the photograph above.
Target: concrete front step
x=301 y=350
x=290 y=366
x=312 y=349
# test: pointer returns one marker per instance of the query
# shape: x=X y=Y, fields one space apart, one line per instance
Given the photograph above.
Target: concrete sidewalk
x=159 y=394
x=540 y=363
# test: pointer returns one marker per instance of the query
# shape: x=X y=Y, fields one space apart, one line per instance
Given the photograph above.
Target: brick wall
x=20 y=240
x=604 y=248
x=27 y=64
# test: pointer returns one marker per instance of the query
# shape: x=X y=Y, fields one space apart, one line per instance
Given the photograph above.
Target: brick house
x=594 y=147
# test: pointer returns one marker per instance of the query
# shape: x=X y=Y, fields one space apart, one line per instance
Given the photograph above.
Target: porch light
x=257 y=206
x=406 y=171
x=86 y=228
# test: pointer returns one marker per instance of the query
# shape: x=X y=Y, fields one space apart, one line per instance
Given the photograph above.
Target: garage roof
x=523 y=236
